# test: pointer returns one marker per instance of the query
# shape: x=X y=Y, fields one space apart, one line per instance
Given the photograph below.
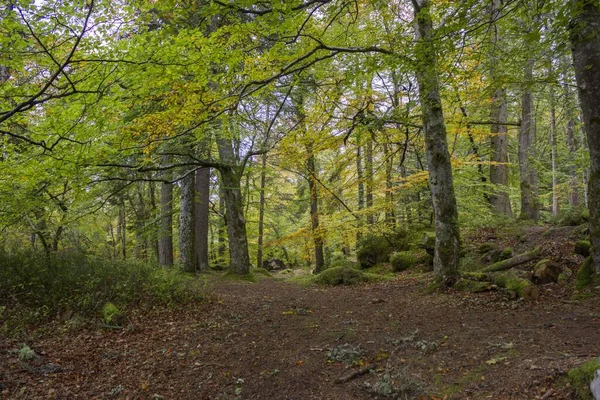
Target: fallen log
x=513 y=261
x=473 y=286
x=514 y=280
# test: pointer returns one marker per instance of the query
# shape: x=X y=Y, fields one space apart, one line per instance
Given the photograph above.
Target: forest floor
x=277 y=340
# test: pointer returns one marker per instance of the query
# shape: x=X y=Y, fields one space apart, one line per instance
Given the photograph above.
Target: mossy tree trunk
x=528 y=183
x=441 y=184
x=165 y=235
x=499 y=131
x=585 y=42
x=231 y=177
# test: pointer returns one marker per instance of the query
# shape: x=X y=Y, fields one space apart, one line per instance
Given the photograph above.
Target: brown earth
x=277 y=340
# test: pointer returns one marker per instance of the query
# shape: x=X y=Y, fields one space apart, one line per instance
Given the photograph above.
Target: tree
x=447 y=240
x=585 y=45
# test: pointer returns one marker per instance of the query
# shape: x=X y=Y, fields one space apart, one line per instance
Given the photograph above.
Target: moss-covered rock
x=585 y=274
x=403 y=260
x=344 y=276
x=428 y=243
x=111 y=314
x=583 y=248
x=374 y=249
x=579 y=379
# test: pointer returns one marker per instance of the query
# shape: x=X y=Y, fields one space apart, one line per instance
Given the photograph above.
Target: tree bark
x=234 y=204
x=441 y=184
x=553 y=153
x=529 y=206
x=186 y=224
x=201 y=219
x=513 y=261
x=585 y=45
x=361 y=190
x=314 y=211
x=261 y=210
x=369 y=179
x=390 y=217
x=165 y=240
x=499 y=132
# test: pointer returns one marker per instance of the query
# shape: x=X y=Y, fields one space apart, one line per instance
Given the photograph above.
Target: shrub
x=35 y=286
x=403 y=260
x=575 y=216
x=374 y=249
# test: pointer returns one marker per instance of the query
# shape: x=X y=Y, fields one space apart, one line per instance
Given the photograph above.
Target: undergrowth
x=35 y=287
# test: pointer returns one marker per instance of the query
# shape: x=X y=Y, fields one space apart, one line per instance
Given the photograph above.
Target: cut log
x=513 y=261
x=513 y=280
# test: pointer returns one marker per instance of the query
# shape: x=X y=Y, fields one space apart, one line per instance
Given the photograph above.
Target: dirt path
x=275 y=340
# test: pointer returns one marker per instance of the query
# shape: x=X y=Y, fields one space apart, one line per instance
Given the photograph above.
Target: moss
x=583 y=247
x=263 y=272
x=111 y=314
x=467 y=285
x=249 y=277
x=579 y=379
x=485 y=248
x=344 y=276
x=585 y=274
x=403 y=260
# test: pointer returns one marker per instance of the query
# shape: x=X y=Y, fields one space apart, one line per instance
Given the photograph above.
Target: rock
x=546 y=271
x=595 y=385
x=274 y=264
x=582 y=247
x=428 y=243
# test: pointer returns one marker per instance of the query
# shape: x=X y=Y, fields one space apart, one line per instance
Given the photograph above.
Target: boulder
x=546 y=271
x=274 y=264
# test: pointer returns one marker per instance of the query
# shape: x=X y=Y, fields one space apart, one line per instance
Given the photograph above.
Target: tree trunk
x=314 y=211
x=222 y=244
x=529 y=206
x=201 y=220
x=585 y=42
x=553 y=152
x=390 y=217
x=499 y=132
x=186 y=224
x=165 y=238
x=369 y=179
x=234 y=204
x=361 y=190
x=122 y=228
x=261 y=210
x=441 y=185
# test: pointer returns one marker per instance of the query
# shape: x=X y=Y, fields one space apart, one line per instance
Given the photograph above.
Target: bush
x=575 y=216
x=374 y=249
x=35 y=286
x=403 y=260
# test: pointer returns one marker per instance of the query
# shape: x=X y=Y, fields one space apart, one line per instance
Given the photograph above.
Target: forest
x=300 y=199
